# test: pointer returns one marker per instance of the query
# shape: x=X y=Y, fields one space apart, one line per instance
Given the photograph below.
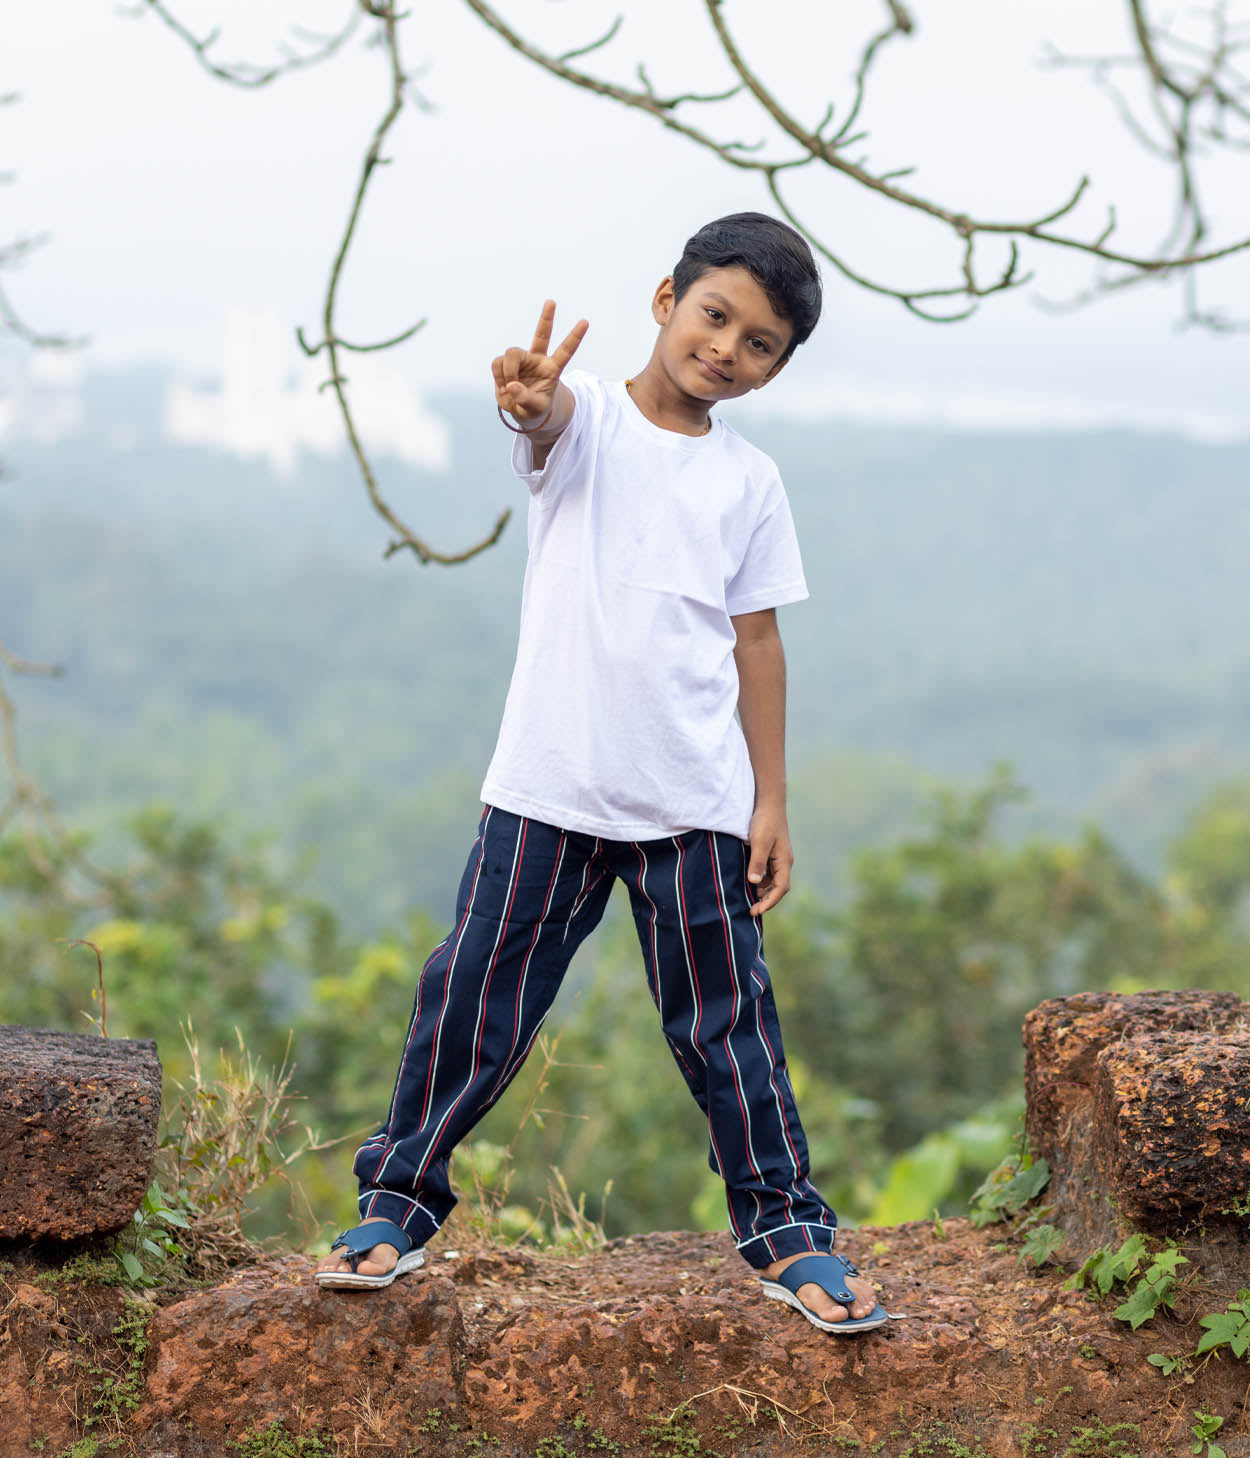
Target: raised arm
x=528 y=387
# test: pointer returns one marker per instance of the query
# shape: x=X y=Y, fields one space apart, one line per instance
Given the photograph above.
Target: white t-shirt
x=620 y=719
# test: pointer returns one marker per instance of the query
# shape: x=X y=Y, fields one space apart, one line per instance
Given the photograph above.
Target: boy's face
x=722 y=339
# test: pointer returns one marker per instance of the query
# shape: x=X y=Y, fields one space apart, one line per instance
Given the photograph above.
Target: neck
x=667 y=407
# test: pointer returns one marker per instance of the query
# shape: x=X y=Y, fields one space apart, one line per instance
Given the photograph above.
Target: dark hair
x=773 y=253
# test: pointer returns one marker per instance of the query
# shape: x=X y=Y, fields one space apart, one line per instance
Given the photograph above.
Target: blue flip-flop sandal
x=829 y=1272
x=358 y=1242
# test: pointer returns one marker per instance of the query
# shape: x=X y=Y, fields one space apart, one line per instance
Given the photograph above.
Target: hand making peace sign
x=526 y=380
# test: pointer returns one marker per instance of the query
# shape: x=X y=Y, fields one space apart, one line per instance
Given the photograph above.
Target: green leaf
x=1165 y=1262
x=175 y=1217
x=133 y=1269
x=1141 y=1305
x=1041 y=1244
x=1224 y=1328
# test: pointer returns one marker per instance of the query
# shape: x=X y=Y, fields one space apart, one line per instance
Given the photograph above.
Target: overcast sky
x=171 y=198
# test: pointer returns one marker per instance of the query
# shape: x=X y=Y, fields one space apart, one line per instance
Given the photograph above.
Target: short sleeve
x=771 y=573
x=571 y=444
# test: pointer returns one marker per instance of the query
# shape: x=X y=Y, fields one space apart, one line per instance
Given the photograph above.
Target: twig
x=407 y=539
x=99 y=964
x=247 y=73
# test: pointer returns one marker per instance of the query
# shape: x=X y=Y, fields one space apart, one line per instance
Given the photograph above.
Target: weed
x=1040 y=1245
x=934 y=1439
x=553 y=1448
x=1169 y=1366
x=1005 y=1191
x=1156 y=1278
x=599 y=1442
x=1100 y=1441
x=1205 y=1427
x=491 y=1168
x=148 y=1243
x=226 y=1136
x=276 y=1442
x=117 y=1395
x=1230 y=1328
x=1087 y=1351
x=675 y=1436
x=1033 y=1435
x=103 y=1268
x=432 y=1421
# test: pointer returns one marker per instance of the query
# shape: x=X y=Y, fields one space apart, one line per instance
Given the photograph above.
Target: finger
x=512 y=364
x=496 y=369
x=758 y=867
x=542 y=334
x=766 y=902
x=568 y=348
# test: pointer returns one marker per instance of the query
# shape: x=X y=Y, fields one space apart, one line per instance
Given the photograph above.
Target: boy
x=643 y=737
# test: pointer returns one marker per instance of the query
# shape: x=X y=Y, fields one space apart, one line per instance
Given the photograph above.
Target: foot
x=818 y=1300
x=380 y=1259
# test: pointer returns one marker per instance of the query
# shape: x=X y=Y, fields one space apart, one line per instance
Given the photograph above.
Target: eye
x=713 y=314
x=760 y=344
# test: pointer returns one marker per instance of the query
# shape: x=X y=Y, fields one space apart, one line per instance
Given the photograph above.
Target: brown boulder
x=660 y=1344
x=1138 y=1104
x=270 y=1344
x=78 y=1126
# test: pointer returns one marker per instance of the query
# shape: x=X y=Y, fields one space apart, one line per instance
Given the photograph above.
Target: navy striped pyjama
x=530 y=894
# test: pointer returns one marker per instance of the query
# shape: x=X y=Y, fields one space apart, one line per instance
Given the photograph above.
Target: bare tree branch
x=1182 y=250
x=400 y=87
x=332 y=343
x=248 y=73
x=1195 y=93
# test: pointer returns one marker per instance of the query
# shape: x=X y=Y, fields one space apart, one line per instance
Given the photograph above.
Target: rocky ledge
x=662 y=1345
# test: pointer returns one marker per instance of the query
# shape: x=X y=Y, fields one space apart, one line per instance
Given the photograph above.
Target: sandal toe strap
x=828 y=1271
x=361 y=1239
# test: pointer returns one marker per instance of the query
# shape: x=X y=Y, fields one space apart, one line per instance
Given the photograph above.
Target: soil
x=657 y=1346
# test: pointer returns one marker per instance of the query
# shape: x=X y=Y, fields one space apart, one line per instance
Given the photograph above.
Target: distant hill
x=1075 y=604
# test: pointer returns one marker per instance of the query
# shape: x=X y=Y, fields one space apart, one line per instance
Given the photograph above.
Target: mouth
x=711 y=371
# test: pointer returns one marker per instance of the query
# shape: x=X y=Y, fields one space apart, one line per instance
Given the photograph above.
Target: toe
x=865 y=1297
x=380 y=1259
x=819 y=1301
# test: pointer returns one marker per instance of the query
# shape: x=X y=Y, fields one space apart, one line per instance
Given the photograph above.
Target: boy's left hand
x=772 y=856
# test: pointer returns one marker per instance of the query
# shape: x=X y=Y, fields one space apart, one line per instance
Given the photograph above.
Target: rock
x=1138 y=1104
x=663 y=1344
x=78 y=1126
x=660 y=1344
x=270 y=1343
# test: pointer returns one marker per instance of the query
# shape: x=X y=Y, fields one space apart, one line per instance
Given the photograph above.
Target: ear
x=662 y=302
x=775 y=371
